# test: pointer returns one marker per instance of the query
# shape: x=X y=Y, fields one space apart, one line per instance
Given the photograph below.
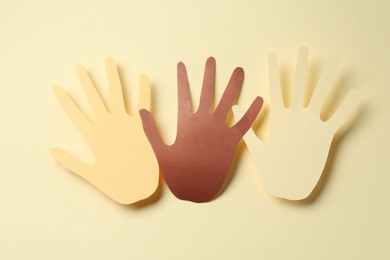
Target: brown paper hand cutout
x=126 y=169
x=196 y=165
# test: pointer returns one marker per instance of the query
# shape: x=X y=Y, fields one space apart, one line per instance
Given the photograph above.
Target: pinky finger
x=151 y=131
x=345 y=111
x=144 y=93
x=249 y=117
x=250 y=138
x=69 y=162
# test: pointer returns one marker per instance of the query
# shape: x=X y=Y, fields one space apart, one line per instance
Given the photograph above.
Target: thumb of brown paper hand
x=196 y=165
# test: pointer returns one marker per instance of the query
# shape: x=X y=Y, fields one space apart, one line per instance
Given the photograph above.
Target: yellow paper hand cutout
x=125 y=167
x=291 y=161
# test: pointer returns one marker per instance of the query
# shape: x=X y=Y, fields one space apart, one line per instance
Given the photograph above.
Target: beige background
x=48 y=213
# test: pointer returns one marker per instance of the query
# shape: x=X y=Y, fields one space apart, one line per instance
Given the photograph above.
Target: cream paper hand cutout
x=125 y=167
x=291 y=161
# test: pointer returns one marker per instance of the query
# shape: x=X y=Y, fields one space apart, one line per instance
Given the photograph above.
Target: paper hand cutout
x=126 y=169
x=197 y=164
x=292 y=160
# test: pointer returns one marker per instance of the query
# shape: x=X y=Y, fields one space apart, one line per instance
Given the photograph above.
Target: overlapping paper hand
x=125 y=167
x=290 y=162
x=196 y=165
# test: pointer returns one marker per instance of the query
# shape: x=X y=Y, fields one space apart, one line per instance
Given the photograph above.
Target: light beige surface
x=49 y=213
